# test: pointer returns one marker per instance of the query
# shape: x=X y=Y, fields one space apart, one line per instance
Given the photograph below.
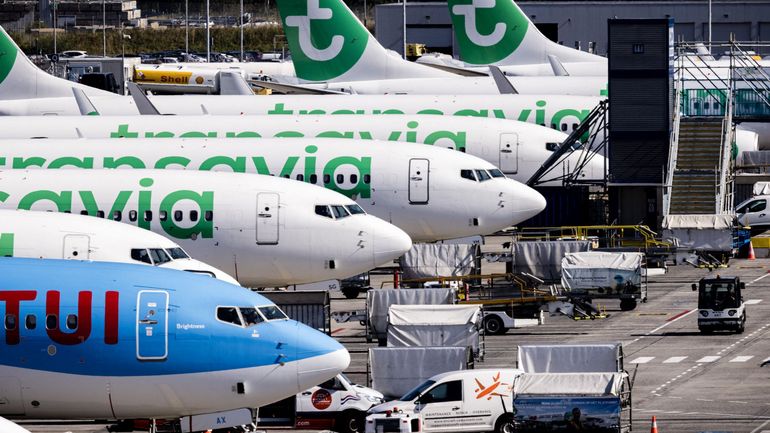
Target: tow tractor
x=720 y=304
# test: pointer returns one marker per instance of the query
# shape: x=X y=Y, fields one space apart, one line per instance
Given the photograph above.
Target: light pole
x=104 y=28
x=709 y=26
x=208 y=34
x=186 y=29
x=241 y=20
x=404 y=12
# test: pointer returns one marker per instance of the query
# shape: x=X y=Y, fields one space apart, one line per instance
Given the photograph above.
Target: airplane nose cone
x=390 y=242
x=526 y=203
x=319 y=357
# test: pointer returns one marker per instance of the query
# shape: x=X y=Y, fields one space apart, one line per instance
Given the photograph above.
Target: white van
x=465 y=400
x=754 y=212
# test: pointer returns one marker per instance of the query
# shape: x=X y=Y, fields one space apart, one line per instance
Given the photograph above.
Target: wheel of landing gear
x=627 y=304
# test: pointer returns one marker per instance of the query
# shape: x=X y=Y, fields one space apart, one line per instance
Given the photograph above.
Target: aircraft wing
x=455 y=70
x=294 y=89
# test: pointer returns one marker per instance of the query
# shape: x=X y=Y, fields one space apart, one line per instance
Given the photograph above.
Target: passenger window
x=314 y=178
x=354 y=179
x=564 y=127
x=574 y=126
x=340 y=179
x=193 y=215
x=148 y=215
x=323 y=211
x=272 y=313
x=300 y=177
x=339 y=211
x=31 y=321
x=229 y=315
x=83 y=212
x=208 y=215
x=286 y=176
x=51 y=322
x=449 y=391
x=178 y=215
x=132 y=215
x=100 y=214
x=72 y=322
x=482 y=175
x=10 y=322
x=251 y=316
x=117 y=215
x=467 y=174
x=355 y=209
x=327 y=179
x=496 y=173
x=141 y=255
x=367 y=179
x=163 y=215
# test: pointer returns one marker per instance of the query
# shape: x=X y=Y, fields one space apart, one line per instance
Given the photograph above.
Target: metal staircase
x=694 y=187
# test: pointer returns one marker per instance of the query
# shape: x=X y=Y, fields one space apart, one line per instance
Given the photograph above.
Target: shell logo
x=491 y=390
x=321 y=399
x=199 y=80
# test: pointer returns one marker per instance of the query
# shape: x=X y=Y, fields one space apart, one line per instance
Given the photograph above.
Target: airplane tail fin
x=21 y=79
x=328 y=43
x=498 y=32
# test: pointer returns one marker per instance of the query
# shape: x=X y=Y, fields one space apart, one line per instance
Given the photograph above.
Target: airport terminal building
x=583 y=24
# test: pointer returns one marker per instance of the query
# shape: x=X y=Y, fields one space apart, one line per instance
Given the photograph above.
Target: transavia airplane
x=517 y=148
x=354 y=62
x=96 y=340
x=265 y=231
x=49 y=235
x=27 y=90
x=429 y=192
x=498 y=32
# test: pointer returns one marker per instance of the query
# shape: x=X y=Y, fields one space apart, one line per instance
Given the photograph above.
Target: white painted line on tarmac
x=761 y=426
x=663 y=326
x=741 y=358
x=753 y=301
x=737 y=402
x=757 y=279
x=708 y=359
x=675 y=359
x=642 y=360
x=703 y=399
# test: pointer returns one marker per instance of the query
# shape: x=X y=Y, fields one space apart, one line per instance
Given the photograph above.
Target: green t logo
x=6 y=244
x=487 y=30
x=325 y=41
x=8 y=54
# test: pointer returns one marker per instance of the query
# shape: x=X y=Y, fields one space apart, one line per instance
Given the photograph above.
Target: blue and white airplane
x=91 y=340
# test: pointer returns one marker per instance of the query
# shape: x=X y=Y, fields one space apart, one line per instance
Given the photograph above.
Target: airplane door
x=267 y=219
x=509 y=153
x=152 y=325
x=76 y=247
x=10 y=396
x=419 y=181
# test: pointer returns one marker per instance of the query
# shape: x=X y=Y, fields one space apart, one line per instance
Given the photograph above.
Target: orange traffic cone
x=751 y=252
x=654 y=428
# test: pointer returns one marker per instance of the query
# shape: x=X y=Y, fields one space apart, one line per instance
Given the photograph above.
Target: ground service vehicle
x=720 y=304
x=337 y=404
x=465 y=400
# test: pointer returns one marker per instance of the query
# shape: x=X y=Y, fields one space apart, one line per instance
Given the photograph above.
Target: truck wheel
x=705 y=330
x=350 y=293
x=493 y=325
x=627 y=304
x=505 y=424
x=350 y=422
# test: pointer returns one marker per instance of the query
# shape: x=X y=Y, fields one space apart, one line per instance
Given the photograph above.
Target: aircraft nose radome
x=527 y=203
x=319 y=357
x=390 y=242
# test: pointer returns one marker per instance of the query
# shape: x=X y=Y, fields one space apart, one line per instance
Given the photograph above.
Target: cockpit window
x=177 y=253
x=323 y=211
x=339 y=211
x=229 y=315
x=496 y=173
x=159 y=256
x=271 y=312
x=354 y=209
x=141 y=255
x=251 y=316
x=482 y=175
x=467 y=174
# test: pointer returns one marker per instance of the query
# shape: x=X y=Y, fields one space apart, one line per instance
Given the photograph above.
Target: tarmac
x=689 y=381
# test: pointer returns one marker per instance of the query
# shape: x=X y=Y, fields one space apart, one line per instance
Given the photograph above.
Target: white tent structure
x=435 y=325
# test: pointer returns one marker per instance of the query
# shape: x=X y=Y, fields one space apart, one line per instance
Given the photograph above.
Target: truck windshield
x=718 y=295
x=411 y=395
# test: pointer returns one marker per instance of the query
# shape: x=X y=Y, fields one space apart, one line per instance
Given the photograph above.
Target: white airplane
x=265 y=231
x=429 y=192
x=9 y=427
x=27 y=90
x=352 y=61
x=498 y=32
x=49 y=235
x=517 y=148
x=113 y=341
